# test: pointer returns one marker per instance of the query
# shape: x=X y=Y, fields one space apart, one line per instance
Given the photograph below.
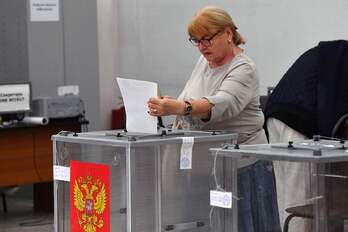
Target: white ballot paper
x=135 y=96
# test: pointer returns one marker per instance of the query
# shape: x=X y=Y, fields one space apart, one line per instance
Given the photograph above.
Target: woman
x=222 y=94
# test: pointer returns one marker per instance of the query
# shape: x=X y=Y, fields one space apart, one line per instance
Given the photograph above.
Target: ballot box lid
x=313 y=151
x=164 y=136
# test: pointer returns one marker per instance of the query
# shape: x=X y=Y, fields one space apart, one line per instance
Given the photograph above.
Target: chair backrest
x=340 y=130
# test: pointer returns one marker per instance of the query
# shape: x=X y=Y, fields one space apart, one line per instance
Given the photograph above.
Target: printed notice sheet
x=135 y=96
x=44 y=10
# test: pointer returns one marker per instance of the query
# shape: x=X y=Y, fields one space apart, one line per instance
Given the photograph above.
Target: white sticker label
x=61 y=173
x=68 y=90
x=186 y=153
x=221 y=199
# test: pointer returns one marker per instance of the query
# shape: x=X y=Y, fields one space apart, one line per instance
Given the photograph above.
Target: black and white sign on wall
x=44 y=10
x=15 y=97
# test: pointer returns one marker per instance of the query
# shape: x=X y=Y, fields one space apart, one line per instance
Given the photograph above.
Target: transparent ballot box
x=311 y=178
x=155 y=183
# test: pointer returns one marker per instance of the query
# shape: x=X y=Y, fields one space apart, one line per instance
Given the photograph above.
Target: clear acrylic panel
x=112 y=156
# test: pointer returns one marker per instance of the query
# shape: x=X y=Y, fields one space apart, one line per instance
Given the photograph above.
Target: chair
x=304 y=211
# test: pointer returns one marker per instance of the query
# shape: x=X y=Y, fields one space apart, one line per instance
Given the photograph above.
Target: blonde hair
x=210 y=20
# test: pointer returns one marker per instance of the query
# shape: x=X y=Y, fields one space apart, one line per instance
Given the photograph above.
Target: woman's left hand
x=163 y=106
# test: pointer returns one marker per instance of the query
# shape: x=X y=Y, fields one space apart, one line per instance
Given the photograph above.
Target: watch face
x=188 y=109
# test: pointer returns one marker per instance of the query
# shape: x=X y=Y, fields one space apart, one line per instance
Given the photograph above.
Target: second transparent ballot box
x=311 y=178
x=156 y=183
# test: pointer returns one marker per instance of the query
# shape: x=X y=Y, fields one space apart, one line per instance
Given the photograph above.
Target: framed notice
x=44 y=10
x=15 y=97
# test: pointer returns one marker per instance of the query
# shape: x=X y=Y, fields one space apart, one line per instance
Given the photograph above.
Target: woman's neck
x=227 y=58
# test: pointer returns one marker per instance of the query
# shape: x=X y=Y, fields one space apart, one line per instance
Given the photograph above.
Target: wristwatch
x=188 y=108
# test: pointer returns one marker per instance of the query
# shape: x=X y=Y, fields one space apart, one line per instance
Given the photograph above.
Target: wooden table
x=26 y=157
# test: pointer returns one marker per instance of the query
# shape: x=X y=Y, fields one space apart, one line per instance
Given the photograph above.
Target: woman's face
x=217 y=47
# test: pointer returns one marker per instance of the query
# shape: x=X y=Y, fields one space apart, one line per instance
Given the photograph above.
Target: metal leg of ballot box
x=129 y=175
x=234 y=172
x=60 y=158
x=318 y=199
x=158 y=190
x=55 y=191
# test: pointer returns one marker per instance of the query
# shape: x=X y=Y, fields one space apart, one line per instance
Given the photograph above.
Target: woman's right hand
x=163 y=106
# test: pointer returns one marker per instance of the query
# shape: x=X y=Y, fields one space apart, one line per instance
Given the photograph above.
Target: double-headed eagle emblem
x=90 y=202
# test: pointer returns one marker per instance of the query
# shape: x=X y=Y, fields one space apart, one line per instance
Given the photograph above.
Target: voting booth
x=118 y=181
x=326 y=205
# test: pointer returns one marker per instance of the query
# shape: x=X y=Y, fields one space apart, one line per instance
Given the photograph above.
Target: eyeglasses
x=206 y=42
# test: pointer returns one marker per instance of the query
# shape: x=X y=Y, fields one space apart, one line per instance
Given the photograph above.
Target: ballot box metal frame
x=317 y=152
x=129 y=141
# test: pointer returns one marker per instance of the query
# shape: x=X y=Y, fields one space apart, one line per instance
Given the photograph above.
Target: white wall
x=153 y=41
x=147 y=39
x=279 y=32
x=107 y=40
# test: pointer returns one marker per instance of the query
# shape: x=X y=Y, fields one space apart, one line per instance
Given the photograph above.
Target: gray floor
x=21 y=217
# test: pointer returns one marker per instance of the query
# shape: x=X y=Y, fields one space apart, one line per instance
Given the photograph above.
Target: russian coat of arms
x=90 y=201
